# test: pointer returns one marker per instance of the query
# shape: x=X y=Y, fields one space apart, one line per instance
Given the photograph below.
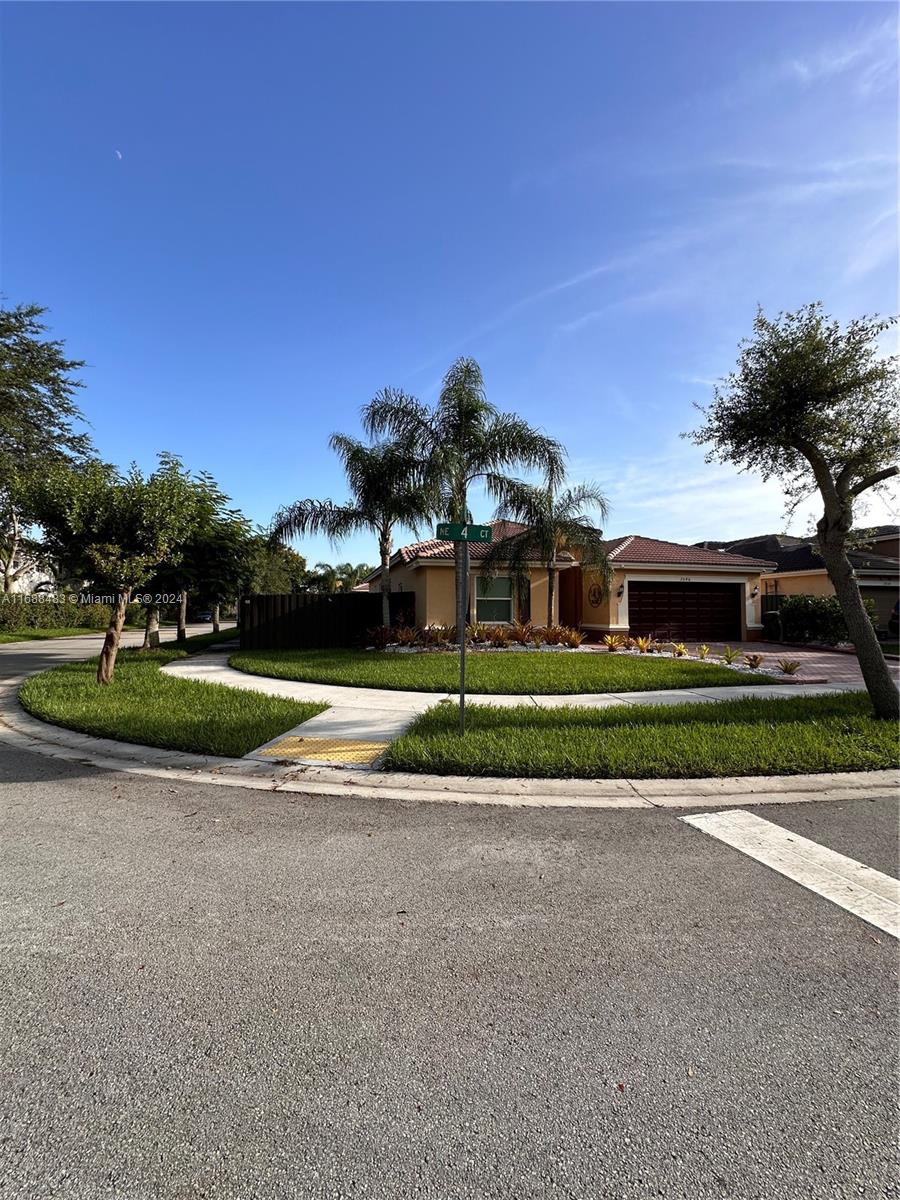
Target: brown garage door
x=686 y=612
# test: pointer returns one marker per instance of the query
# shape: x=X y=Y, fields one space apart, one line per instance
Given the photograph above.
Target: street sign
x=452 y=531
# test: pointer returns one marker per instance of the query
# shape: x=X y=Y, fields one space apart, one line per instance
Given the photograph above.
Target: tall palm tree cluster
x=342 y=577
x=419 y=465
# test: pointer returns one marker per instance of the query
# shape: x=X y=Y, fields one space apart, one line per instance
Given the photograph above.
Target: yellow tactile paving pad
x=326 y=749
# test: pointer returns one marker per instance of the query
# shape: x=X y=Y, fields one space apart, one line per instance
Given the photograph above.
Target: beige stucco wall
x=434 y=587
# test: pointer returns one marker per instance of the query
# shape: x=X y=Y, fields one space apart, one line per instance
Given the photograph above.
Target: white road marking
x=859 y=889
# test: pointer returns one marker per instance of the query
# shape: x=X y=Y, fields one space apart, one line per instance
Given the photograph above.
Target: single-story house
x=800 y=570
x=664 y=588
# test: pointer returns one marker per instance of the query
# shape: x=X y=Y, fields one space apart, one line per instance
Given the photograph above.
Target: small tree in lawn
x=556 y=521
x=813 y=405
x=387 y=488
x=120 y=528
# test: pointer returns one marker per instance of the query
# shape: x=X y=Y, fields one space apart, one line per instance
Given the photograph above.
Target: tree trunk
x=551 y=592
x=107 y=665
x=151 y=629
x=881 y=688
x=182 y=616
x=216 y=624
x=384 y=548
x=9 y=573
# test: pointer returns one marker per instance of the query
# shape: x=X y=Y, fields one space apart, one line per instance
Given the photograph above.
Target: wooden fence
x=309 y=620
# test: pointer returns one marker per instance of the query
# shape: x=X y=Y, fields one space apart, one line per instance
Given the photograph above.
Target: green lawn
x=754 y=736
x=143 y=705
x=492 y=674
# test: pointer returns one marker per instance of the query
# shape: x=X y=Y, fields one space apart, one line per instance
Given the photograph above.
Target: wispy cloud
x=637 y=302
x=871 y=57
x=876 y=246
x=700 y=500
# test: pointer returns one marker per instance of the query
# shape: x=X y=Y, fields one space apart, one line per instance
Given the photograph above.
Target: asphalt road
x=210 y=992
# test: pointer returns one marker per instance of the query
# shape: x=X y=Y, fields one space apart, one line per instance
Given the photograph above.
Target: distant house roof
x=637 y=549
x=880 y=531
x=799 y=554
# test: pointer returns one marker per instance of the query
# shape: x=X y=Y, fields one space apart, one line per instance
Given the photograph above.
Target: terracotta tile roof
x=637 y=549
x=434 y=550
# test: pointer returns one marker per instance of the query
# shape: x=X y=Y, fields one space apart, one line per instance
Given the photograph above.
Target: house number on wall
x=685 y=579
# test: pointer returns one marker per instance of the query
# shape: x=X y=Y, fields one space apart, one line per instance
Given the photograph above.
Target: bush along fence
x=809 y=619
x=310 y=621
x=47 y=611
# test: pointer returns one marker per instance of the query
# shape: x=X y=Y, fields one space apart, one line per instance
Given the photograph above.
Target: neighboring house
x=663 y=588
x=883 y=540
x=800 y=570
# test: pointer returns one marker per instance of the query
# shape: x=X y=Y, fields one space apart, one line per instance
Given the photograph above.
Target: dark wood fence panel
x=309 y=621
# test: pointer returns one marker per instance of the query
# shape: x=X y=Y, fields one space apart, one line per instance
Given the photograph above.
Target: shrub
x=572 y=638
x=642 y=644
x=46 y=610
x=613 y=642
x=498 y=636
x=436 y=635
x=755 y=661
x=406 y=635
x=679 y=649
x=812 y=619
x=521 y=632
x=789 y=666
x=729 y=655
x=380 y=637
x=703 y=651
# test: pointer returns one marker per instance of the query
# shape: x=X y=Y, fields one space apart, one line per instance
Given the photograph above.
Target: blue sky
x=248 y=218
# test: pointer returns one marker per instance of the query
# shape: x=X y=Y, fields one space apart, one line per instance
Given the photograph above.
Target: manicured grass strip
x=504 y=673
x=142 y=705
x=754 y=736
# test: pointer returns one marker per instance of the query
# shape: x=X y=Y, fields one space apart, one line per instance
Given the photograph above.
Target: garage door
x=685 y=612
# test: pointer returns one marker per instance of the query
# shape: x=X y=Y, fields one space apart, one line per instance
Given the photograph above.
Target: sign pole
x=461 y=634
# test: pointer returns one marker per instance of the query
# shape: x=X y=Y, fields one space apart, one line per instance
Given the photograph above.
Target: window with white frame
x=493 y=599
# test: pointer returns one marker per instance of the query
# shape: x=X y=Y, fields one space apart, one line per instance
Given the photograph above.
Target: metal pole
x=461 y=634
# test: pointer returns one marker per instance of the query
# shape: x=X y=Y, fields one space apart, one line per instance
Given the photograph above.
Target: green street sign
x=451 y=531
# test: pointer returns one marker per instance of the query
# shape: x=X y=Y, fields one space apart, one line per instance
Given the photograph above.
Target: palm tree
x=325 y=578
x=463 y=439
x=349 y=575
x=555 y=521
x=387 y=488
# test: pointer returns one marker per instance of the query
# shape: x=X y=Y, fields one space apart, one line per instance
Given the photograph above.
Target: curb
x=25 y=732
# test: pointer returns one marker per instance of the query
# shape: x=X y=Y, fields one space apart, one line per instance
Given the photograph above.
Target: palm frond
x=304 y=517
